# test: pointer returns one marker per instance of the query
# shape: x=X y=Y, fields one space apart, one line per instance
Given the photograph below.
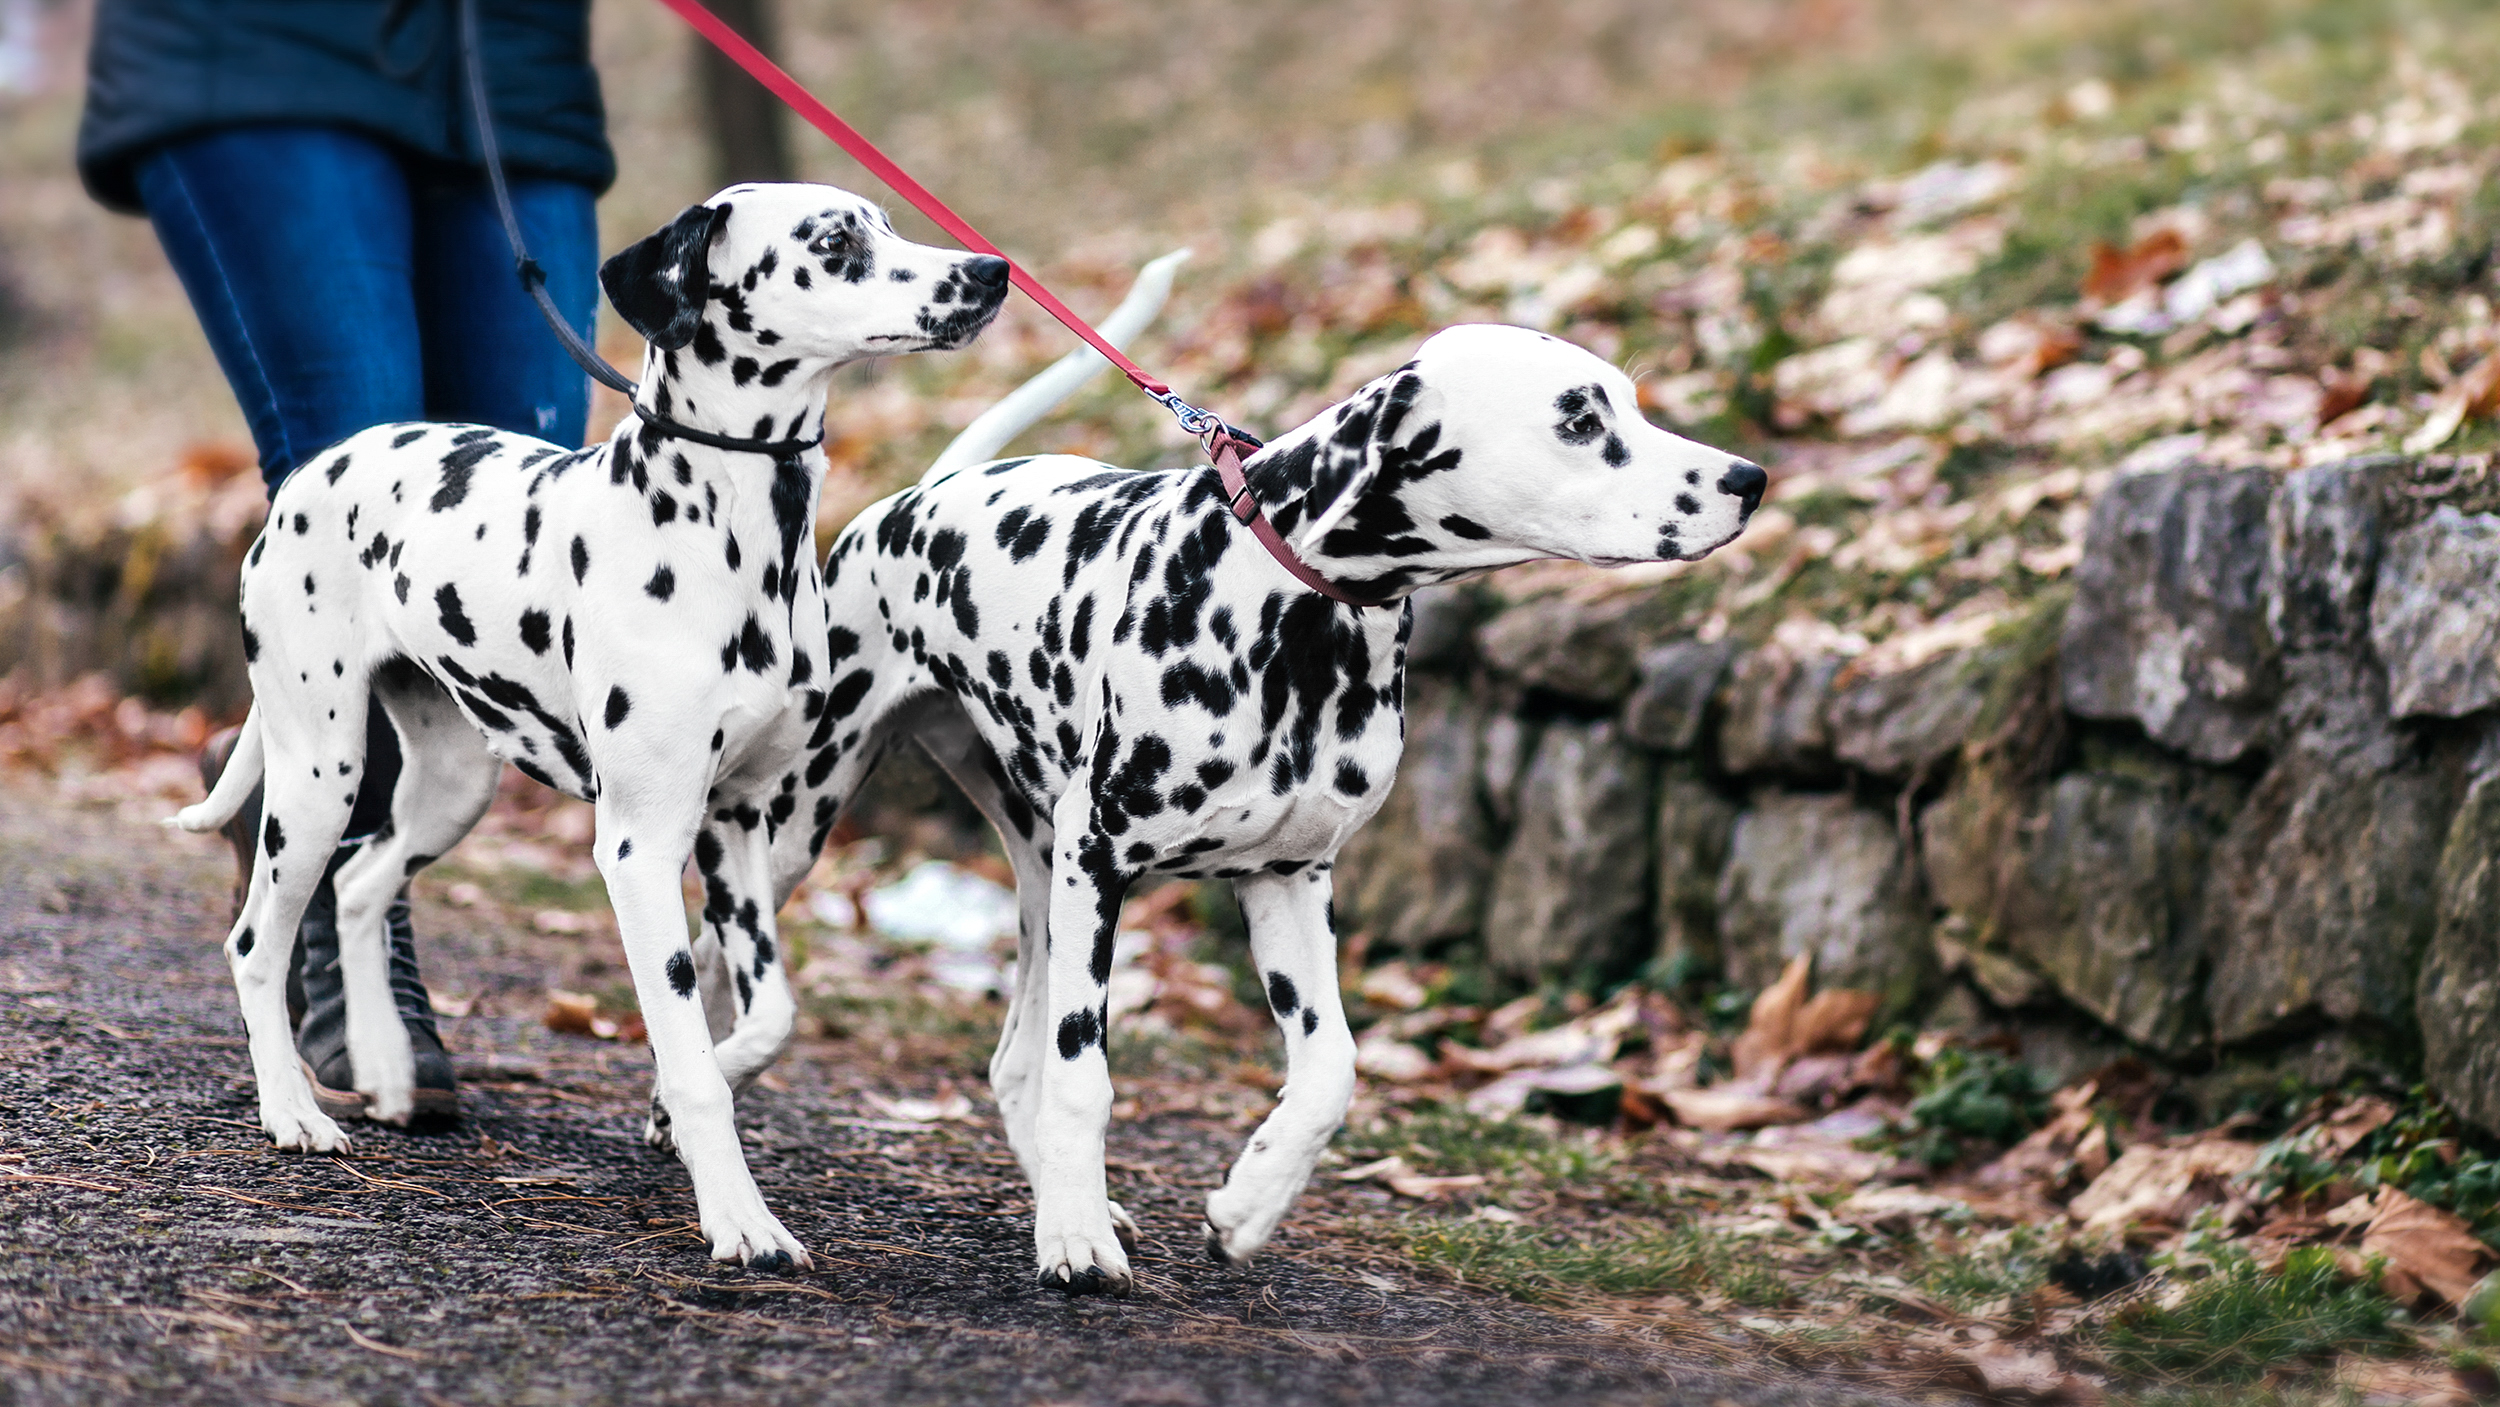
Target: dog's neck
x=765 y=502
x=731 y=396
x=1376 y=550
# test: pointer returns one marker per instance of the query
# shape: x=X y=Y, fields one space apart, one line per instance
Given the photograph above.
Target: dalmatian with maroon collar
x=1129 y=686
x=639 y=624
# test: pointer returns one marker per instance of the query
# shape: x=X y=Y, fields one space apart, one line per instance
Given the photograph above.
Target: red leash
x=1224 y=443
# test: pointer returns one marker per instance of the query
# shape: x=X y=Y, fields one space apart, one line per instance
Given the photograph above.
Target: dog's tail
x=987 y=435
x=234 y=784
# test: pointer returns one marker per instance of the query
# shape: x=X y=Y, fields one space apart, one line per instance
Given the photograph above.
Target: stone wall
x=2230 y=801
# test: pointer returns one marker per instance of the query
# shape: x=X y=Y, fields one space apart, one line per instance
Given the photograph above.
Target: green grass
x=2240 y=1323
x=1548 y=1266
x=2006 y=1265
x=1449 y=1142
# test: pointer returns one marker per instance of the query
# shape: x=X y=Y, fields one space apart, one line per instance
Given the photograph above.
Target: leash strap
x=534 y=279
x=1224 y=442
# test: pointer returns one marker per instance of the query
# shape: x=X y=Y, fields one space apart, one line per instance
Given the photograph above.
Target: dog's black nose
x=1745 y=481
x=987 y=270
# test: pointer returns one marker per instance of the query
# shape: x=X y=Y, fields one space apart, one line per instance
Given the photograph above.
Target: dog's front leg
x=1075 y=1243
x=1297 y=958
x=642 y=850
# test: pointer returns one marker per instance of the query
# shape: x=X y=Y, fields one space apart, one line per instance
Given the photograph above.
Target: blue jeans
x=344 y=284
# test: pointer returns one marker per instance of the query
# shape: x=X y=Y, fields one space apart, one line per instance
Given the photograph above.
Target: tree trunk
x=743 y=120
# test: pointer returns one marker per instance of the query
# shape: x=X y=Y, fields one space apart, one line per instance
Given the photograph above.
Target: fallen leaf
x=560 y=921
x=949 y=1104
x=2161 y=1182
x=2435 y=1248
x=2119 y=274
x=1393 y=1173
x=1393 y=986
x=571 y=1012
x=1399 y=1062
x=1725 y=1107
x=2352 y=1122
x=2472 y=396
x=2376 y=1383
x=1764 y=1046
x=2009 y=1373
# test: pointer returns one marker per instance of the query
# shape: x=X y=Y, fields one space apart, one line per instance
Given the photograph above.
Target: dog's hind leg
x=1297 y=958
x=309 y=773
x=446 y=782
x=734 y=854
x=1015 y=1067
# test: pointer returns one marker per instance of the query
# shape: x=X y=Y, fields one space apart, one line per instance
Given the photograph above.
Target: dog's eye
x=833 y=243
x=1584 y=426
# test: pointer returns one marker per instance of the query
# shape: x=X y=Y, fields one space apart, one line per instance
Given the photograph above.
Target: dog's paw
x=1124 y=1227
x=655 y=1129
x=305 y=1130
x=756 y=1240
x=1079 y=1265
x=1238 y=1225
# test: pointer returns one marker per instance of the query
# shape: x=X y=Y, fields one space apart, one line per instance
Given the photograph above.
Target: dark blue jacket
x=162 y=69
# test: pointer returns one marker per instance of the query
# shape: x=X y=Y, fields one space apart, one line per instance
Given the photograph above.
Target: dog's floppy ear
x=659 y=284
x=1362 y=445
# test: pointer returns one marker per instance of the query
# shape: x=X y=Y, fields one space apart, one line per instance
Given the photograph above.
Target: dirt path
x=153 y=1246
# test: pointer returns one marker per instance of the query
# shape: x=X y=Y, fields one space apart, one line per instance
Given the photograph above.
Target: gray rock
x=2322 y=544
x=1904 y=724
x=2106 y=901
x=1509 y=742
x=1775 y=714
x=1678 y=680
x=2322 y=900
x=1694 y=823
x=1417 y=873
x=2436 y=621
x=1822 y=875
x=1571 y=891
x=1442 y=634
x=2458 y=999
x=1969 y=846
x=1582 y=652
x=2168 y=625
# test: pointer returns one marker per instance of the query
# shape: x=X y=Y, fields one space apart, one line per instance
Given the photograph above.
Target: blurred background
x=2104 y=700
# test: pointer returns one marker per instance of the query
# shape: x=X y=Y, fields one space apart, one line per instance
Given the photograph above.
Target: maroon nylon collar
x=1245 y=508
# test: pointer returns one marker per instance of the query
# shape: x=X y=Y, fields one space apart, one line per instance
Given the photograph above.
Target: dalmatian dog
x=639 y=624
x=1129 y=685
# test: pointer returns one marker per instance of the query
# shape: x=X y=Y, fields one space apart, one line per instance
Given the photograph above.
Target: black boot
x=318 y=1005
x=321 y=1039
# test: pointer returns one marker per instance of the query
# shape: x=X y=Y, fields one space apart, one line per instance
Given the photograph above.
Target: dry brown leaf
x=1834 y=1021
x=2118 y=274
x=2432 y=1247
x=571 y=1012
x=1393 y=1173
x=2008 y=1373
x=2162 y=1182
x=2381 y=1384
x=2353 y=1121
x=1726 y=1107
x=1766 y=1042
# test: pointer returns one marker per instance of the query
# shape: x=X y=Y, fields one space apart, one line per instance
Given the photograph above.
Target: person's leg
x=295 y=247
x=489 y=355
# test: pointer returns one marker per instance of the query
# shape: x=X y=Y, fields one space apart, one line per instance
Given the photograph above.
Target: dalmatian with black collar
x=1128 y=685
x=639 y=624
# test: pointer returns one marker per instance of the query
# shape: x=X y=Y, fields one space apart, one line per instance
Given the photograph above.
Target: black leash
x=534 y=279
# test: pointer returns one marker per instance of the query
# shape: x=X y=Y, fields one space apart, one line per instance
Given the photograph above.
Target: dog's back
x=1117 y=620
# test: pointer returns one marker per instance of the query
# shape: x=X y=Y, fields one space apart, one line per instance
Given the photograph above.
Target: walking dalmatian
x=1128 y=685
x=639 y=624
